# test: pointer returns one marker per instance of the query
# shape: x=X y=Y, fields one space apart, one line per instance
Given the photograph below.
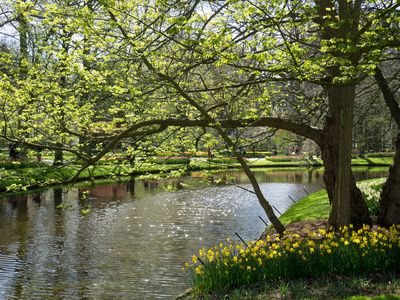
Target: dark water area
x=136 y=237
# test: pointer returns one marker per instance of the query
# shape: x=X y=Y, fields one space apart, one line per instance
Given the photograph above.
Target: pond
x=136 y=237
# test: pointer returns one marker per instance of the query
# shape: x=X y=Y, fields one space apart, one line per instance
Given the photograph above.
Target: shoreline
x=123 y=174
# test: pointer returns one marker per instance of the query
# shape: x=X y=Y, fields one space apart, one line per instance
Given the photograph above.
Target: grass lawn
x=372 y=161
x=314 y=206
x=382 y=297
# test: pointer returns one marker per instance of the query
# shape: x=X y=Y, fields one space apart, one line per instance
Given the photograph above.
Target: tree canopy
x=94 y=73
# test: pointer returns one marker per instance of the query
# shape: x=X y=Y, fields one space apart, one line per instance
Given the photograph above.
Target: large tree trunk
x=347 y=204
x=359 y=213
x=389 y=202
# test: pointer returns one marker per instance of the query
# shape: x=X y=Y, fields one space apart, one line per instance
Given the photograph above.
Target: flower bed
x=257 y=154
x=223 y=160
x=346 y=252
x=170 y=160
x=371 y=193
x=197 y=154
x=113 y=160
x=295 y=158
x=381 y=154
x=20 y=163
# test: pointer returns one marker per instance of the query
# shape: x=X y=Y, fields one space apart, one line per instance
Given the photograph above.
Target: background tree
x=323 y=43
x=389 y=205
x=334 y=58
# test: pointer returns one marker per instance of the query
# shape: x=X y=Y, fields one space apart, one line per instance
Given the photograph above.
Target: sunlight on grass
x=372 y=161
x=382 y=297
x=314 y=206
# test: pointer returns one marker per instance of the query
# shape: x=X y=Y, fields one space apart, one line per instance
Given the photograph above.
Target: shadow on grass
x=375 y=286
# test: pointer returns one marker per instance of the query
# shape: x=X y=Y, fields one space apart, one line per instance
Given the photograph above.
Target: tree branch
x=388 y=96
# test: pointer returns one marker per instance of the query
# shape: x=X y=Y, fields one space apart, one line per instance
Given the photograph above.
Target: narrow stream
x=136 y=237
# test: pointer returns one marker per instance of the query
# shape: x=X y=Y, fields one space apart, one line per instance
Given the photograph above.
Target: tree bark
x=389 y=202
x=342 y=194
x=347 y=204
x=388 y=95
x=280 y=229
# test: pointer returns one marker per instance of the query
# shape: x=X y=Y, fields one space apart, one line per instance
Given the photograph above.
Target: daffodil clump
x=371 y=193
x=347 y=252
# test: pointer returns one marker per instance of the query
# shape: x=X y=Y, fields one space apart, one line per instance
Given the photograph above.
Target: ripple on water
x=131 y=245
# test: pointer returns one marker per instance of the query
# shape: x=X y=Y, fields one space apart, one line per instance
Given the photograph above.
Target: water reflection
x=136 y=238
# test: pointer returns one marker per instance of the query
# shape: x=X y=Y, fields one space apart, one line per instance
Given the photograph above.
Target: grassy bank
x=312 y=207
x=17 y=174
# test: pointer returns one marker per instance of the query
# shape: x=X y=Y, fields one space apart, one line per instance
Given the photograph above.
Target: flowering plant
x=285 y=158
x=20 y=163
x=321 y=253
x=371 y=193
x=170 y=160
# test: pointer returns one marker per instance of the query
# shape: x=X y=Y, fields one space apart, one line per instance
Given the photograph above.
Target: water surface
x=136 y=237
